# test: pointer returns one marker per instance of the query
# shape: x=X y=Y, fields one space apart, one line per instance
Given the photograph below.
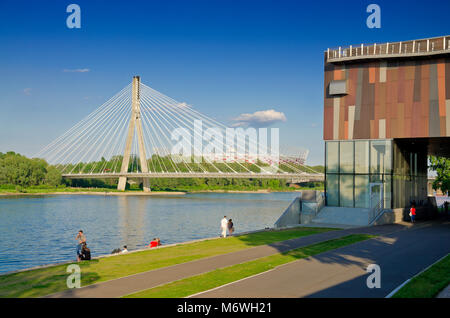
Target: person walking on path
x=412 y=213
x=224 y=225
x=230 y=227
x=81 y=238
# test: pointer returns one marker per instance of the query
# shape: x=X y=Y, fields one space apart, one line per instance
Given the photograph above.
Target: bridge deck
x=296 y=176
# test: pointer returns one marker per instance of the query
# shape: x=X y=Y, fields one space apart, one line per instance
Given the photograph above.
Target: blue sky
x=224 y=58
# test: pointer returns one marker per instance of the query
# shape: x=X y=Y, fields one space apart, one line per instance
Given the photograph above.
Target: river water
x=38 y=230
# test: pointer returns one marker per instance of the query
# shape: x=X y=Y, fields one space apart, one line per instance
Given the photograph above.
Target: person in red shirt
x=154 y=243
x=412 y=213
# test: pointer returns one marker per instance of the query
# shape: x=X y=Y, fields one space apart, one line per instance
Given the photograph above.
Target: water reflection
x=41 y=229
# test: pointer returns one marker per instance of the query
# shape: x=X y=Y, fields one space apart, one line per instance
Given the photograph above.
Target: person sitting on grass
x=155 y=242
x=85 y=254
x=125 y=250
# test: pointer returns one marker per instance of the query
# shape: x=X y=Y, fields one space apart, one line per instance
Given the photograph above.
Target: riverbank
x=51 y=279
x=130 y=193
x=109 y=192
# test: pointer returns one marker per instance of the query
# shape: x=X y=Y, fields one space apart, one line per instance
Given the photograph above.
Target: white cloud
x=27 y=91
x=76 y=70
x=183 y=104
x=262 y=118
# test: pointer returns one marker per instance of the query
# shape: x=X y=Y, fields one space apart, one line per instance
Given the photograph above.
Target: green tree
x=53 y=177
x=442 y=167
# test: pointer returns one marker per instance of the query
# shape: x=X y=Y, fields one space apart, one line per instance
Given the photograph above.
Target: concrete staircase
x=343 y=216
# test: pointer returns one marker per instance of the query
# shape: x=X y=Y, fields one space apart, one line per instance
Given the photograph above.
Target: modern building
x=386 y=108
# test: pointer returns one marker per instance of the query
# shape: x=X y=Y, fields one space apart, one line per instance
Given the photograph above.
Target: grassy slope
x=219 y=277
x=429 y=283
x=49 y=280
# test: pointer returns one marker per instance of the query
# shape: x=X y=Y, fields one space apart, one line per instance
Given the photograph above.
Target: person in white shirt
x=224 y=225
x=125 y=250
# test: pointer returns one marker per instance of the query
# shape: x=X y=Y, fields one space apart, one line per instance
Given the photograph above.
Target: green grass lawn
x=45 y=281
x=219 y=277
x=429 y=283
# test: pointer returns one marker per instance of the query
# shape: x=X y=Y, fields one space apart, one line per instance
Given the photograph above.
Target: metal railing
x=415 y=47
x=376 y=211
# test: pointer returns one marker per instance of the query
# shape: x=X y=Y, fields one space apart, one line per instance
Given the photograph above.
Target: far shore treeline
x=19 y=174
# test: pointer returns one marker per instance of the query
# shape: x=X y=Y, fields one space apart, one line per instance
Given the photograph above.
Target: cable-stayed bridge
x=142 y=134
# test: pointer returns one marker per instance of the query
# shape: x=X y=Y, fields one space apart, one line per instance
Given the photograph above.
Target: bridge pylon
x=135 y=124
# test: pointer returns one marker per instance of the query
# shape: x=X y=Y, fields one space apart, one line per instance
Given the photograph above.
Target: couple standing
x=226 y=225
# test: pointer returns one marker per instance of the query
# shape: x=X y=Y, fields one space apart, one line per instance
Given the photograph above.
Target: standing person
x=81 y=238
x=446 y=209
x=412 y=213
x=230 y=227
x=224 y=225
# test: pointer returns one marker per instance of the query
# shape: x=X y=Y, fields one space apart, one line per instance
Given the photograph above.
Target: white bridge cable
x=148 y=107
x=172 y=102
x=164 y=134
x=72 y=139
x=120 y=146
x=72 y=144
x=102 y=137
x=88 y=136
x=111 y=137
x=185 y=110
x=94 y=113
x=61 y=145
x=175 y=105
x=160 y=142
x=153 y=151
x=98 y=141
x=154 y=144
x=187 y=126
x=183 y=122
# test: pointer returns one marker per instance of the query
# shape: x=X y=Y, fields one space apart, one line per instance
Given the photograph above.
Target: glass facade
x=360 y=173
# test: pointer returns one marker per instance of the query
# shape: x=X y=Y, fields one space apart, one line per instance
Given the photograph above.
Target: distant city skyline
x=245 y=63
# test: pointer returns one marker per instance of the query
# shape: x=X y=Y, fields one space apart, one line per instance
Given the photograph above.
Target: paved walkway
x=134 y=283
x=445 y=293
x=342 y=272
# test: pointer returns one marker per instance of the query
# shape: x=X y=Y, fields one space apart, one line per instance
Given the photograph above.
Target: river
x=38 y=230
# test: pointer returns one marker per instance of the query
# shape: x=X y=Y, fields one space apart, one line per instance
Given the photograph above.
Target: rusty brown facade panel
x=417 y=81
x=328 y=123
x=401 y=85
x=409 y=100
x=409 y=92
x=342 y=118
x=447 y=78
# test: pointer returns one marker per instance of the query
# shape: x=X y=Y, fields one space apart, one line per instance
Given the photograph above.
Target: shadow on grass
x=41 y=282
x=400 y=256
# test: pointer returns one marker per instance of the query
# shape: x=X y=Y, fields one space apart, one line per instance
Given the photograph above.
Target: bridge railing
x=414 y=47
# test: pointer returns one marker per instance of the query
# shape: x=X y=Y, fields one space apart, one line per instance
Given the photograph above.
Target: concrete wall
x=291 y=216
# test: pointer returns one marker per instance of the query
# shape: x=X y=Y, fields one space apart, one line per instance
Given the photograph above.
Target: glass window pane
x=362 y=191
x=346 y=157
x=387 y=191
x=362 y=156
x=380 y=156
x=346 y=190
x=332 y=156
x=332 y=189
